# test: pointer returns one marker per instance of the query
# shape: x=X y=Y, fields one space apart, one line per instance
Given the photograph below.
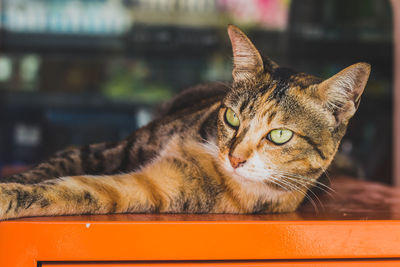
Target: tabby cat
x=253 y=146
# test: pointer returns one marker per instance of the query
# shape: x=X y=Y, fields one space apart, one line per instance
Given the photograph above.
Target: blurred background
x=74 y=72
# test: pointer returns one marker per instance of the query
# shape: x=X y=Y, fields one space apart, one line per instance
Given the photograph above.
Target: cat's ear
x=247 y=61
x=342 y=92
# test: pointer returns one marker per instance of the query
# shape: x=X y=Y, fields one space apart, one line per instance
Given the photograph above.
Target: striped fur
x=182 y=161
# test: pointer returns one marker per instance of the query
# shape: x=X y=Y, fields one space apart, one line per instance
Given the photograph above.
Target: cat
x=255 y=145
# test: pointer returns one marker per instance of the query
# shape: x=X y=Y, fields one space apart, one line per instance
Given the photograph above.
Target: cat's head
x=281 y=127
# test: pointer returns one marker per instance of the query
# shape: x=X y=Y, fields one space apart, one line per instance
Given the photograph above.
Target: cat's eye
x=280 y=136
x=231 y=118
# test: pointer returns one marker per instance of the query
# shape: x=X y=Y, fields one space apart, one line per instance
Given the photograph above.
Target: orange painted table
x=359 y=225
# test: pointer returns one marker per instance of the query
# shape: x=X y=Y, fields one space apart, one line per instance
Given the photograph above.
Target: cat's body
x=188 y=114
x=254 y=146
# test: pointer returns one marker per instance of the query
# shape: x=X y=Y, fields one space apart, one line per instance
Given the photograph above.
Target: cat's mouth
x=243 y=176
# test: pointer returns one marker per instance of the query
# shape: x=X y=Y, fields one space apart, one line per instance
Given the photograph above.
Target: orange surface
x=361 y=222
x=24 y=243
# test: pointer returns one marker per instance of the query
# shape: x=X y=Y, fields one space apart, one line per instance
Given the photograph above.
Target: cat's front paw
x=10 y=196
x=5 y=201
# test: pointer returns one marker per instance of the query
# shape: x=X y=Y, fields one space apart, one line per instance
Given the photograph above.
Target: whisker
x=274 y=181
x=306 y=190
x=306 y=178
x=317 y=185
x=294 y=188
x=300 y=177
x=318 y=199
x=325 y=172
x=302 y=184
x=301 y=191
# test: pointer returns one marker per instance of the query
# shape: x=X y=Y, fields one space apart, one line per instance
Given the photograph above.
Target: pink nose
x=236 y=161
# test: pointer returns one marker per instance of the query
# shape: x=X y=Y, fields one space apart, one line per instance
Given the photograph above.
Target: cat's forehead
x=278 y=85
x=293 y=78
x=282 y=80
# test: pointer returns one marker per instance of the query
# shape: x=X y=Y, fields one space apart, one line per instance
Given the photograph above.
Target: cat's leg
x=79 y=195
x=159 y=188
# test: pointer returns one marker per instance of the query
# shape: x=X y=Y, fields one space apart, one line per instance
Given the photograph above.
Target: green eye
x=280 y=136
x=232 y=118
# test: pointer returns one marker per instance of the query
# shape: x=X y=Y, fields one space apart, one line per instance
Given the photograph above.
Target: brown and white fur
x=190 y=160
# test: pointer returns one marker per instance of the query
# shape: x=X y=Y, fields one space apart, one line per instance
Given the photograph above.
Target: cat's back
x=194 y=98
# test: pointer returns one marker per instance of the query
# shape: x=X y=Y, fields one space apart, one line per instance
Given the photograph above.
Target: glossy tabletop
x=360 y=220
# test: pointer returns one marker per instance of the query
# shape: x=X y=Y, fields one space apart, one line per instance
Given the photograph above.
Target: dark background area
x=76 y=72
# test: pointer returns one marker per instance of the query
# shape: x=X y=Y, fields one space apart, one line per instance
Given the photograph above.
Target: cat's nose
x=236 y=162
